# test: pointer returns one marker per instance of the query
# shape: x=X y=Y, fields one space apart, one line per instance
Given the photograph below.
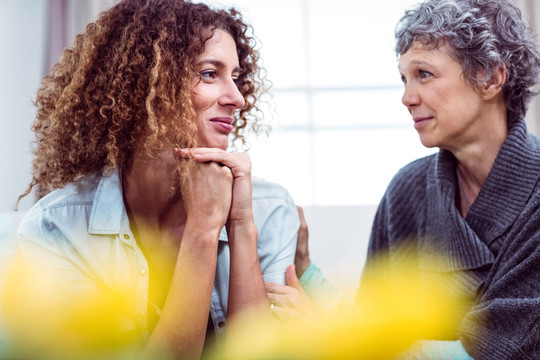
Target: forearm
x=246 y=284
x=181 y=330
x=301 y=258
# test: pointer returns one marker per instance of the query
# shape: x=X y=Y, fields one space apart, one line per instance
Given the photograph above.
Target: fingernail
x=180 y=151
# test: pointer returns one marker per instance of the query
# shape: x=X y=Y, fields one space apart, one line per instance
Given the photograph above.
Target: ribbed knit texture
x=492 y=256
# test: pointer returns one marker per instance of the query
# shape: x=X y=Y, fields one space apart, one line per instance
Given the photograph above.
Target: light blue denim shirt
x=81 y=234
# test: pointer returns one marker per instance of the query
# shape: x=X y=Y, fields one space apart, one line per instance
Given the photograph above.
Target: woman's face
x=444 y=107
x=215 y=95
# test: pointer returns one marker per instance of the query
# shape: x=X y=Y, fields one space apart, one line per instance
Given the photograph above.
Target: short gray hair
x=483 y=34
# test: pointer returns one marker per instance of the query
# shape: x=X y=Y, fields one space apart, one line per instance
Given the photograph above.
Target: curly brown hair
x=123 y=87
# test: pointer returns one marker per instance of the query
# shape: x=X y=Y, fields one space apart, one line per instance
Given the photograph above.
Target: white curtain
x=81 y=12
x=66 y=19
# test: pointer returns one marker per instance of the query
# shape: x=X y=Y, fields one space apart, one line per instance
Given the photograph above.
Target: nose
x=232 y=96
x=410 y=96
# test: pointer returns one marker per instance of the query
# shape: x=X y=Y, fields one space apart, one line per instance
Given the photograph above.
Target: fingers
x=276 y=289
x=283 y=295
x=240 y=167
x=290 y=277
x=207 y=194
x=303 y=232
x=284 y=313
x=239 y=163
x=280 y=295
x=282 y=299
x=288 y=303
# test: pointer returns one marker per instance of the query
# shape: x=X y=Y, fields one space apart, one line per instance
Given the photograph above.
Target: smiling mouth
x=223 y=124
x=419 y=121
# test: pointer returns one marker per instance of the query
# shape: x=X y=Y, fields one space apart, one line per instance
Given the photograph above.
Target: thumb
x=290 y=277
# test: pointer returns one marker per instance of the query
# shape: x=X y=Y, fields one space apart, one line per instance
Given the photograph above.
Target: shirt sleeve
x=277 y=220
x=436 y=350
x=319 y=288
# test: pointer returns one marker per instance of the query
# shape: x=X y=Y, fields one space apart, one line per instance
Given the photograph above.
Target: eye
x=424 y=74
x=208 y=74
x=403 y=80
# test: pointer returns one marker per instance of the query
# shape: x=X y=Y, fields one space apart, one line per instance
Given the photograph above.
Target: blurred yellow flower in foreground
x=41 y=324
x=393 y=310
x=391 y=313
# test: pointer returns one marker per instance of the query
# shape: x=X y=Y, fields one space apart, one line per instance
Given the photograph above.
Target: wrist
x=201 y=233
x=209 y=221
x=242 y=227
x=246 y=231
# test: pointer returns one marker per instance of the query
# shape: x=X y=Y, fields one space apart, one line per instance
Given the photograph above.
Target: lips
x=420 y=120
x=223 y=124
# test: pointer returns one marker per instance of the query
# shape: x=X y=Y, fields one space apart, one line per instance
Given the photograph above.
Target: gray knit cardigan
x=493 y=255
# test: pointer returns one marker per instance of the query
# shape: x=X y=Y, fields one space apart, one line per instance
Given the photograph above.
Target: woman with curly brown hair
x=139 y=198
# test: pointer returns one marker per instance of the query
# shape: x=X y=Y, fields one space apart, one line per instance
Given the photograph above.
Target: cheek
x=458 y=102
x=196 y=99
x=201 y=100
x=439 y=99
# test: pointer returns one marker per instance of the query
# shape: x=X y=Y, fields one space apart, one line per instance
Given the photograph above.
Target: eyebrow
x=216 y=63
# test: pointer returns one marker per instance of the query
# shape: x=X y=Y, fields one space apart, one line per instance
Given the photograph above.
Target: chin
x=219 y=145
x=222 y=144
x=429 y=143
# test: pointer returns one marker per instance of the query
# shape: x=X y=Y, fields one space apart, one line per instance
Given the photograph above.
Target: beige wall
x=338 y=238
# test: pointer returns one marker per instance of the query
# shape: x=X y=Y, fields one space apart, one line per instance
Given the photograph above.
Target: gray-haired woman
x=468 y=69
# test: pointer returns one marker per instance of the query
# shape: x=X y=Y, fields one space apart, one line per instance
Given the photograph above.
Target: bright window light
x=339 y=130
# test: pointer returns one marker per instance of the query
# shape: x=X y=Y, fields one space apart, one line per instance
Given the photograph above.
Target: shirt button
x=142 y=272
x=126 y=236
x=221 y=324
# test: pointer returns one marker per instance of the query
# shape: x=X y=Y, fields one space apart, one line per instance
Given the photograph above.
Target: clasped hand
x=218 y=186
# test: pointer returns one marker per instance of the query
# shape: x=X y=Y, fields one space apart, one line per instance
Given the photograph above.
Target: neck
x=150 y=203
x=478 y=149
x=156 y=216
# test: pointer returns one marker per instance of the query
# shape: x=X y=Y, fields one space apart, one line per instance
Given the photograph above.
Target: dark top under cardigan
x=494 y=252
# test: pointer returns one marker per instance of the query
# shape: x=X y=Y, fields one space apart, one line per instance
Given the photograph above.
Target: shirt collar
x=109 y=215
x=509 y=185
x=108 y=212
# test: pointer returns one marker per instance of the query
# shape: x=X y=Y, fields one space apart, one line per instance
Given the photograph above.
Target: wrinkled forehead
x=424 y=46
x=420 y=56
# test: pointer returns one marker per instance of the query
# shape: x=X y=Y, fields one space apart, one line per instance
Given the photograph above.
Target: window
x=339 y=130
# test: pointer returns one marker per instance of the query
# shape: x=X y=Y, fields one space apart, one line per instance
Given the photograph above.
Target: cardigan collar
x=509 y=186
x=468 y=243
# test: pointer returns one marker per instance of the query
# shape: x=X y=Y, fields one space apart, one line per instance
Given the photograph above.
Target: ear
x=492 y=88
